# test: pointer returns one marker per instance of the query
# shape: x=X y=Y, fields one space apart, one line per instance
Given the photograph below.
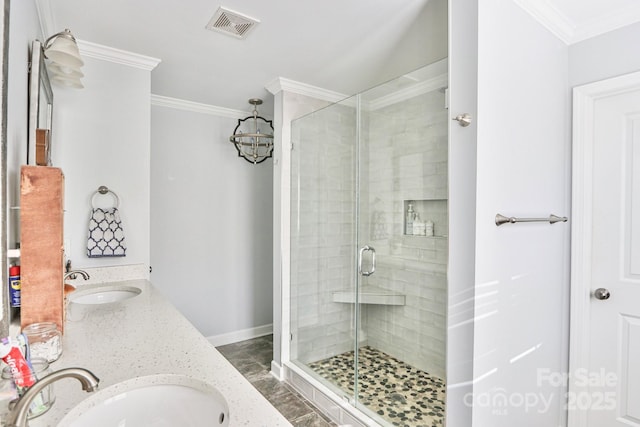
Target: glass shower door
x=402 y=212
x=323 y=238
x=369 y=247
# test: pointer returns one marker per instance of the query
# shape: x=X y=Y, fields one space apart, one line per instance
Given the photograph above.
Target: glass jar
x=45 y=340
x=46 y=397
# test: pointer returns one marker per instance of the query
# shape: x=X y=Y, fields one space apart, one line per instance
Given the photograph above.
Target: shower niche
x=367 y=299
x=426 y=218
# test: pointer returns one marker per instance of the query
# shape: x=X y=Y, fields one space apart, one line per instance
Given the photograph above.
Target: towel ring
x=103 y=190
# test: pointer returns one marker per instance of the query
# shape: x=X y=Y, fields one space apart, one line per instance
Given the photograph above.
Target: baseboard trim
x=241 y=335
x=276 y=371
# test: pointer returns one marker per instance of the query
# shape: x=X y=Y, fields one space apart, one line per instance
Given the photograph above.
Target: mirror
x=40 y=109
x=4 y=268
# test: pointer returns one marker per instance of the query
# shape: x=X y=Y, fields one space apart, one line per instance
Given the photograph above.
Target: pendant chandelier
x=253 y=137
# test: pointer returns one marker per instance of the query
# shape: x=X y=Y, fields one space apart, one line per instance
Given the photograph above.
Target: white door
x=604 y=386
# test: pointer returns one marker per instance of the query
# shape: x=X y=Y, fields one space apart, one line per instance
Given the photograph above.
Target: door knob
x=463 y=120
x=601 y=293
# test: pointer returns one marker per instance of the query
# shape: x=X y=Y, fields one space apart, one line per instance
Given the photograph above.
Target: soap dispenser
x=409 y=221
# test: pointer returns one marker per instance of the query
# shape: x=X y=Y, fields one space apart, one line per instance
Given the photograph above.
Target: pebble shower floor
x=401 y=394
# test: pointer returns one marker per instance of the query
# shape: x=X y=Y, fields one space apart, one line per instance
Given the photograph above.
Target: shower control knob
x=463 y=120
x=601 y=294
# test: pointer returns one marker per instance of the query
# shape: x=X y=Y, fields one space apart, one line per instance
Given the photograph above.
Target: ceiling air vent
x=232 y=23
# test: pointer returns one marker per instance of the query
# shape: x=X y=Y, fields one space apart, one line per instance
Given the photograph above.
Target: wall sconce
x=253 y=140
x=62 y=51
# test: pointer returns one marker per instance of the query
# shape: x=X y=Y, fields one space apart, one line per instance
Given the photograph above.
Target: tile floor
x=253 y=359
x=398 y=392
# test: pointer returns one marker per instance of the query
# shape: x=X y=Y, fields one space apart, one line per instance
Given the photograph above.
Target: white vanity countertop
x=143 y=336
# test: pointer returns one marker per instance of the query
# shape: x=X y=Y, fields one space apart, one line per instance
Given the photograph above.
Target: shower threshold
x=327 y=399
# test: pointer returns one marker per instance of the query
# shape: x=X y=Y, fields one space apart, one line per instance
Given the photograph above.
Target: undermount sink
x=103 y=294
x=152 y=401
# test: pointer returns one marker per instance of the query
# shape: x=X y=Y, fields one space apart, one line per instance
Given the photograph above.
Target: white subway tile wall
x=407 y=150
x=323 y=232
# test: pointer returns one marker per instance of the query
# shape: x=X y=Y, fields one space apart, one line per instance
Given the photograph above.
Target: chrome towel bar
x=501 y=219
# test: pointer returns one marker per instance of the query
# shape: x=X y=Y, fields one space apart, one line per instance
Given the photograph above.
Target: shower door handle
x=373 y=260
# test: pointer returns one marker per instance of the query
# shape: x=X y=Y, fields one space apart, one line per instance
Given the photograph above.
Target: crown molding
x=434 y=83
x=571 y=32
x=117 y=56
x=280 y=84
x=429 y=78
x=550 y=17
x=197 y=107
x=437 y=79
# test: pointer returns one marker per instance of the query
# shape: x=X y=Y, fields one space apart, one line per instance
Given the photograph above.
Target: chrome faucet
x=19 y=414
x=71 y=274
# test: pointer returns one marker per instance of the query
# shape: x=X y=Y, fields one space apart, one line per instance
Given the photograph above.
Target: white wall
x=101 y=136
x=609 y=55
x=211 y=223
x=97 y=139
x=521 y=308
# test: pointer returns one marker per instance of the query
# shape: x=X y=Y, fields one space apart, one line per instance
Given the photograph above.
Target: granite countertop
x=145 y=336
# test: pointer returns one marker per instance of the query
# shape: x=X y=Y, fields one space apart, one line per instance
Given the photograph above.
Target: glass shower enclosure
x=369 y=225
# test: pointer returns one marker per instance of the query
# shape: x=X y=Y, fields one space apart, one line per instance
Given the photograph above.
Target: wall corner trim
x=280 y=84
x=550 y=17
x=197 y=107
x=45 y=17
x=117 y=56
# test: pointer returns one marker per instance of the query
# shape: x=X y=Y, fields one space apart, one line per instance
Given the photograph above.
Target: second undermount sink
x=103 y=294
x=152 y=401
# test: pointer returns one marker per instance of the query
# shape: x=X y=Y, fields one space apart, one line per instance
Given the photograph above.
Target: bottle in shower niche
x=411 y=215
x=428 y=228
x=418 y=226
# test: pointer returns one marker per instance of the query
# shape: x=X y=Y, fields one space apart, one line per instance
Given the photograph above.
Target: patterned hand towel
x=106 y=237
